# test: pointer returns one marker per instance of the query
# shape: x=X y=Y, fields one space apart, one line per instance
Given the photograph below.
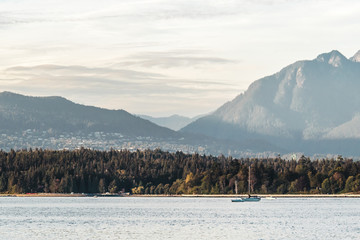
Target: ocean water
x=178 y=218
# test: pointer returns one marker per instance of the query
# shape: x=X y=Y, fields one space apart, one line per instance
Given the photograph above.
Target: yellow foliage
x=138 y=190
x=189 y=178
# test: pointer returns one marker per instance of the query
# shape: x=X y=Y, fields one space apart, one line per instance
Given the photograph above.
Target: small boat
x=249 y=198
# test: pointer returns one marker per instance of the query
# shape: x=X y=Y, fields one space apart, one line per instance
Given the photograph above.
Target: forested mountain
x=59 y=115
x=309 y=106
x=159 y=172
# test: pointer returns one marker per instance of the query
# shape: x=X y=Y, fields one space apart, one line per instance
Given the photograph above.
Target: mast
x=236 y=187
x=249 y=186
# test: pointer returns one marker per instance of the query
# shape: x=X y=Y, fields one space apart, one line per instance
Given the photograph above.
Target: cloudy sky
x=161 y=57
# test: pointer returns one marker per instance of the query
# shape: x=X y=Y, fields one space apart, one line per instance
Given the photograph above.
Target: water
x=178 y=218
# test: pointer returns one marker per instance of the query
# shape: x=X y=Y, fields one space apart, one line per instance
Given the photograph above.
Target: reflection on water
x=178 y=218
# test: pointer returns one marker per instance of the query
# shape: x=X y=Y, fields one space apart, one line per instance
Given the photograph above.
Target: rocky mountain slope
x=308 y=101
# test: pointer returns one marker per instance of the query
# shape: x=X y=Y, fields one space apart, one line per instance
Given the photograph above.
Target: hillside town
x=32 y=138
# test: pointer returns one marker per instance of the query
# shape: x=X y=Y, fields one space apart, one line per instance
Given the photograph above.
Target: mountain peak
x=334 y=58
x=356 y=57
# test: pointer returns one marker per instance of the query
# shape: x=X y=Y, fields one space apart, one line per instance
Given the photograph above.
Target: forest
x=159 y=172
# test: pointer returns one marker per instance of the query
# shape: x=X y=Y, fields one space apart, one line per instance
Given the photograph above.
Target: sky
x=163 y=57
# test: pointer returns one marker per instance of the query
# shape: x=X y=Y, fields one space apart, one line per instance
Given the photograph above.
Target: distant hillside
x=174 y=122
x=18 y=113
x=57 y=123
x=309 y=106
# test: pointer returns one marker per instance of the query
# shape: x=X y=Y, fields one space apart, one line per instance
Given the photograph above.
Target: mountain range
x=309 y=106
x=57 y=123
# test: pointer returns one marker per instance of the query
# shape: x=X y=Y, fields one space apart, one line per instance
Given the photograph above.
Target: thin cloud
x=113 y=11
x=172 y=59
x=106 y=80
x=76 y=70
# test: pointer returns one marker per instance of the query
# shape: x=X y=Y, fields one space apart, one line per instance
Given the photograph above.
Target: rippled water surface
x=178 y=218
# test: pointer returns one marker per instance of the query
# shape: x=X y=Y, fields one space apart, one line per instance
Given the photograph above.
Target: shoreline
x=280 y=195
x=347 y=195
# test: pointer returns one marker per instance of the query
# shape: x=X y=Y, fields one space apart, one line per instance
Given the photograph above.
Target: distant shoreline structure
x=184 y=195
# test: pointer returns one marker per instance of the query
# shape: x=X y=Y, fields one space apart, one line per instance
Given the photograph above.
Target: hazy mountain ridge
x=174 y=122
x=307 y=100
x=18 y=112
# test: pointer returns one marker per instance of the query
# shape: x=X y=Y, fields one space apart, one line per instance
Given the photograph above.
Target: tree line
x=159 y=172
